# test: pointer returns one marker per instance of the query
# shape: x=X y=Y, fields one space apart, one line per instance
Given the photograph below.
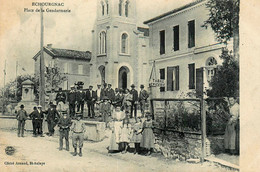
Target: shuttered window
x=162 y=42
x=173 y=78
x=191 y=76
x=162 y=76
x=199 y=82
x=191 y=33
x=176 y=42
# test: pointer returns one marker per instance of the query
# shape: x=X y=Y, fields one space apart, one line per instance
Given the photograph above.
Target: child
x=125 y=133
x=78 y=129
x=21 y=117
x=148 y=138
x=64 y=124
x=105 y=110
x=137 y=135
x=116 y=127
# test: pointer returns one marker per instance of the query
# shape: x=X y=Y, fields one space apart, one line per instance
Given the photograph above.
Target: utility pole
x=16 y=69
x=4 y=90
x=42 y=68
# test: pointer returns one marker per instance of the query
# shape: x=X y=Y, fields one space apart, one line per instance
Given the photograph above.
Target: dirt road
x=42 y=154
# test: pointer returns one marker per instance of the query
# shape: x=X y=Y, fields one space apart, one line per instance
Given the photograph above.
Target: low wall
x=95 y=131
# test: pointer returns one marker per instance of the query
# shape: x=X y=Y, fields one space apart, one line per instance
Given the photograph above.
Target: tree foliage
x=225 y=82
x=223 y=18
x=53 y=77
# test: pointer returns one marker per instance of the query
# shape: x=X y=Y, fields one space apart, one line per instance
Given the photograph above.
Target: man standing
x=21 y=117
x=110 y=93
x=64 y=124
x=118 y=99
x=39 y=119
x=51 y=118
x=60 y=100
x=143 y=96
x=134 y=100
x=33 y=116
x=103 y=91
x=78 y=129
x=91 y=99
x=72 y=100
x=98 y=91
x=80 y=95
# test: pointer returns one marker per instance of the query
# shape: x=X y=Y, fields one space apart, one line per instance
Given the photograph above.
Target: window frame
x=127 y=48
x=176 y=41
x=174 y=86
x=164 y=44
x=102 y=43
x=162 y=71
x=191 y=33
x=192 y=75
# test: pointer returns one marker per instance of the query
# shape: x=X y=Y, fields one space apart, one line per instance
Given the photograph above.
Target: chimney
x=49 y=45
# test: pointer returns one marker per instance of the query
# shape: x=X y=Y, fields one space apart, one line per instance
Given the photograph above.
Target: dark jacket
x=52 y=115
x=60 y=97
x=118 y=100
x=135 y=95
x=103 y=93
x=105 y=108
x=64 y=123
x=38 y=115
x=80 y=96
x=110 y=93
x=21 y=115
x=72 y=97
x=91 y=98
x=143 y=95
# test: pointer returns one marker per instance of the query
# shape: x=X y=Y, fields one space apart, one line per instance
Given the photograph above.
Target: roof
x=27 y=82
x=174 y=11
x=144 y=30
x=66 y=53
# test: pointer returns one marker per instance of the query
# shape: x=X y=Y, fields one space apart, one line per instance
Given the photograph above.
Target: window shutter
x=176 y=38
x=191 y=76
x=162 y=76
x=191 y=33
x=199 y=82
x=169 y=78
x=177 y=78
x=162 y=42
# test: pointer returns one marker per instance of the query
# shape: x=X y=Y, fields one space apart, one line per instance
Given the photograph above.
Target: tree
x=53 y=77
x=225 y=82
x=224 y=20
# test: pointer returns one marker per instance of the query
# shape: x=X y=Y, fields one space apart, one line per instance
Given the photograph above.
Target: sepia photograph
x=120 y=85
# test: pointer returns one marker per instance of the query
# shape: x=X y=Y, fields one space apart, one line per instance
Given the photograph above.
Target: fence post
x=203 y=129
x=165 y=116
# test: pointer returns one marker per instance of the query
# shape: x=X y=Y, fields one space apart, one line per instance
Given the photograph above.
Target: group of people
x=104 y=100
x=140 y=133
x=53 y=118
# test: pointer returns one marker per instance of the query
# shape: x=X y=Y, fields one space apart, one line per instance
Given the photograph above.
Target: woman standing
x=148 y=137
x=231 y=137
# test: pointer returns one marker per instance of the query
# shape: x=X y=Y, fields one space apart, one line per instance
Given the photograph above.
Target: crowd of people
x=120 y=105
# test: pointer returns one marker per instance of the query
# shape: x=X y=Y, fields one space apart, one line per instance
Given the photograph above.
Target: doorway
x=123 y=80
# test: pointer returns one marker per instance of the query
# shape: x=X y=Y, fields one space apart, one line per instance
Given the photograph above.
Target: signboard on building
x=157 y=83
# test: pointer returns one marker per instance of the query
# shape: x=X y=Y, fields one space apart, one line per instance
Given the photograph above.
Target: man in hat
x=143 y=96
x=105 y=110
x=51 y=118
x=72 y=100
x=134 y=100
x=110 y=93
x=118 y=99
x=91 y=99
x=64 y=124
x=80 y=96
x=60 y=97
x=39 y=118
x=78 y=128
x=21 y=117
x=103 y=91
x=33 y=116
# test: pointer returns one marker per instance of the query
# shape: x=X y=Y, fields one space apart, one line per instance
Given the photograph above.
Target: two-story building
x=183 y=52
x=74 y=65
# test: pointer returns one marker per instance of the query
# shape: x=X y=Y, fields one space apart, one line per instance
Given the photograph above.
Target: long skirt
x=230 y=136
x=113 y=146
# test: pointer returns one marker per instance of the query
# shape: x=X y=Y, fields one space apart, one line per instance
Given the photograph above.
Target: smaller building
x=182 y=51
x=72 y=64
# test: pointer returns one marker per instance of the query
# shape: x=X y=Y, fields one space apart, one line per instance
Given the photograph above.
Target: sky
x=20 y=31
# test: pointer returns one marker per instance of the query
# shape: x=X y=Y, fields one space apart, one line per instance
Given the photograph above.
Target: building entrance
x=123 y=80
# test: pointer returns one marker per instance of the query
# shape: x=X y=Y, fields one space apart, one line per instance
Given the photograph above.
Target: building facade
x=120 y=48
x=74 y=65
x=183 y=52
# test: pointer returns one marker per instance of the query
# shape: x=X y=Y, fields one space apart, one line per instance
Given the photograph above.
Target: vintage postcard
x=127 y=85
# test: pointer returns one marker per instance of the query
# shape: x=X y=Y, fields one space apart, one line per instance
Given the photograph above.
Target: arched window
x=120 y=8
x=124 y=43
x=102 y=42
x=211 y=67
x=126 y=8
x=107 y=6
